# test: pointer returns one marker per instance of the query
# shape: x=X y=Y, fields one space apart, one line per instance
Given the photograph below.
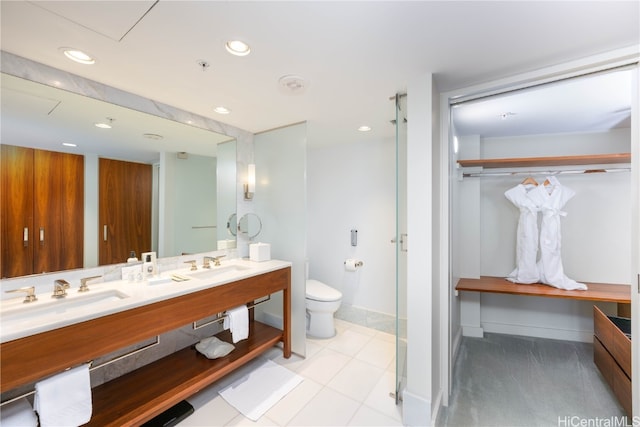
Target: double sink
x=20 y=319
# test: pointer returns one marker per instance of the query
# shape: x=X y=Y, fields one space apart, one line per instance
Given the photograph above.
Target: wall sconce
x=250 y=185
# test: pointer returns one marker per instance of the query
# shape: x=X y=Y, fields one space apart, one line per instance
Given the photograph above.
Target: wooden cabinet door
x=58 y=211
x=125 y=210
x=42 y=211
x=16 y=211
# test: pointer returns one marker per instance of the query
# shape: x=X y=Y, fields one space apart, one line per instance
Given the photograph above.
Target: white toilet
x=322 y=302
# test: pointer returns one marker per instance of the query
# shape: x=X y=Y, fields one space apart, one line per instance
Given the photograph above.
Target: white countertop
x=20 y=319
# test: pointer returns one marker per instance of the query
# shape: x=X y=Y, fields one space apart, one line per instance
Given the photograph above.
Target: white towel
x=18 y=414
x=65 y=399
x=237 y=321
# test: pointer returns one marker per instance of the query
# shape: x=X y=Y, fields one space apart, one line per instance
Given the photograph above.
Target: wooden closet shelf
x=591 y=159
x=148 y=391
x=595 y=291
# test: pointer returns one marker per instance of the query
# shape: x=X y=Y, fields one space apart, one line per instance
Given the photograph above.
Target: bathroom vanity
x=148 y=391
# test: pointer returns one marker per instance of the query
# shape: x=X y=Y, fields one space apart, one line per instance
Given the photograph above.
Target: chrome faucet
x=83 y=283
x=31 y=293
x=60 y=288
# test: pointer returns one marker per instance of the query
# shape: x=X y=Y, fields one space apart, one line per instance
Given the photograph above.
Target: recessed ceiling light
x=78 y=55
x=154 y=136
x=69 y=144
x=222 y=110
x=237 y=47
x=105 y=125
x=364 y=128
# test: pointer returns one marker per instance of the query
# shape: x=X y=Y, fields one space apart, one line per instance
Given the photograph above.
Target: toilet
x=321 y=301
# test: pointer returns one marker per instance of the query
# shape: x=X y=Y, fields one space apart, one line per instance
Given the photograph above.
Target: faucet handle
x=60 y=288
x=206 y=261
x=83 y=283
x=31 y=293
x=216 y=260
x=194 y=267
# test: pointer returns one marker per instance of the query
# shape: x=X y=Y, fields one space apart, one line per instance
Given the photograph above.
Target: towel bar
x=92 y=368
x=221 y=316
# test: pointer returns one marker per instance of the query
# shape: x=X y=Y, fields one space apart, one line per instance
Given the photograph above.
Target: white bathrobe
x=551 y=199
x=526 y=270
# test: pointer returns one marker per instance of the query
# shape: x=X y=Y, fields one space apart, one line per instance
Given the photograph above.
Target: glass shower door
x=401 y=244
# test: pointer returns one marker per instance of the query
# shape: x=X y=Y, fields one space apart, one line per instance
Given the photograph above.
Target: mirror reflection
x=193 y=169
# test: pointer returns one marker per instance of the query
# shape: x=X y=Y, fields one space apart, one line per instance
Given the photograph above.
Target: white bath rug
x=255 y=393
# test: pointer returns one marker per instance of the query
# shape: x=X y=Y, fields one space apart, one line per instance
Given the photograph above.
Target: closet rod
x=560 y=172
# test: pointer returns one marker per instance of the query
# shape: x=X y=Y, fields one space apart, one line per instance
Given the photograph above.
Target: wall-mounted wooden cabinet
x=42 y=212
x=125 y=210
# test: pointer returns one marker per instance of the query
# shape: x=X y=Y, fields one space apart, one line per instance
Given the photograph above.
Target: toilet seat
x=318 y=291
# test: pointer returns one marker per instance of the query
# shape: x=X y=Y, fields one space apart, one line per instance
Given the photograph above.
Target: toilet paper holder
x=357 y=264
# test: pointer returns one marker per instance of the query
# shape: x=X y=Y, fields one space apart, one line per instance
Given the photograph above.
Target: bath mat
x=255 y=393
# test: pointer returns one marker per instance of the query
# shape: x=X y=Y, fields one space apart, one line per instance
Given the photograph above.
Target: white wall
x=353 y=187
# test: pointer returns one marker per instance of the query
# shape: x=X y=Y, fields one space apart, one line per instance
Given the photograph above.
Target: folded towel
x=65 y=399
x=237 y=321
x=214 y=348
x=18 y=414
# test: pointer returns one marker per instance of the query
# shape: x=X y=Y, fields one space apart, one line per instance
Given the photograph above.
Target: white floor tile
x=216 y=412
x=323 y=366
x=356 y=379
x=242 y=421
x=283 y=411
x=367 y=416
x=380 y=400
x=378 y=352
x=327 y=408
x=349 y=342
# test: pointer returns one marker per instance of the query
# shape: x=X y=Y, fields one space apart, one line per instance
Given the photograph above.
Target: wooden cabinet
x=612 y=356
x=125 y=210
x=42 y=211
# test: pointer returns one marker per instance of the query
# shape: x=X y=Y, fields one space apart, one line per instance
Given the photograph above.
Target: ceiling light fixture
x=364 y=128
x=237 y=48
x=222 y=110
x=78 y=56
x=69 y=144
x=104 y=125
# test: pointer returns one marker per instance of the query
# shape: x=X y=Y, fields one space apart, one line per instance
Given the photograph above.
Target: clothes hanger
x=530 y=180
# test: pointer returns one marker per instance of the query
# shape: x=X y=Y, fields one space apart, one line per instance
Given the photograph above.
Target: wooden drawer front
x=603 y=361
x=622 y=388
x=621 y=350
x=613 y=339
x=602 y=327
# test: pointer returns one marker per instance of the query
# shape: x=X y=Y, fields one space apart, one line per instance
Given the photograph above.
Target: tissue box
x=259 y=252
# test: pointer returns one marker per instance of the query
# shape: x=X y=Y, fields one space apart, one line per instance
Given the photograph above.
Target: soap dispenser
x=132 y=257
x=147 y=266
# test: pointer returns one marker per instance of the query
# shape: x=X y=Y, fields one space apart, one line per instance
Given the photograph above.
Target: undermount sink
x=216 y=271
x=46 y=306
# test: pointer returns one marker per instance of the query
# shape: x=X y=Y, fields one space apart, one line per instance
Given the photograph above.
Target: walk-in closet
x=530 y=271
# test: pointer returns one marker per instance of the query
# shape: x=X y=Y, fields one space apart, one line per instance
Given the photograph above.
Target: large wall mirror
x=194 y=169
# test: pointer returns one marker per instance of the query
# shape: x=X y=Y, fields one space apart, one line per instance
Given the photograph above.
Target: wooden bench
x=595 y=292
x=471 y=324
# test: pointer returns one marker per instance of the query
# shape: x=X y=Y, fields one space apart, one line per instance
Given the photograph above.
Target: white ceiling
x=353 y=55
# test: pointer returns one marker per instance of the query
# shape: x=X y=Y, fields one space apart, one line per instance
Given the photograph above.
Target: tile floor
x=347 y=381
